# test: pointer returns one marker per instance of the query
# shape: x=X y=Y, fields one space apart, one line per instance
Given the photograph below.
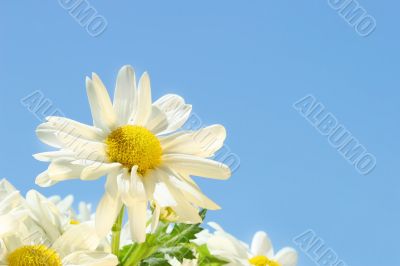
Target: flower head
x=139 y=146
x=261 y=252
x=41 y=237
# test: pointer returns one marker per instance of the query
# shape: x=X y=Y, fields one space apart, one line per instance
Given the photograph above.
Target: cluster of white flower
x=148 y=160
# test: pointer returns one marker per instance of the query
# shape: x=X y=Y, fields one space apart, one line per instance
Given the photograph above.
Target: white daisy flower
x=261 y=252
x=33 y=211
x=76 y=246
x=42 y=235
x=84 y=214
x=11 y=209
x=65 y=206
x=136 y=144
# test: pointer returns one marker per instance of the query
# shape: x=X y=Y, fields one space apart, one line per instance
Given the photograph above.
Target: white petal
x=79 y=237
x=204 y=142
x=73 y=128
x=81 y=148
x=149 y=183
x=45 y=213
x=90 y=258
x=137 y=186
x=158 y=121
x=186 y=212
x=155 y=219
x=51 y=155
x=106 y=214
x=131 y=187
x=216 y=226
x=225 y=245
x=195 y=196
x=65 y=204
x=63 y=169
x=85 y=211
x=98 y=170
x=261 y=245
x=10 y=222
x=100 y=104
x=126 y=238
x=143 y=111
x=162 y=195
x=197 y=166
x=44 y=180
x=111 y=186
x=6 y=188
x=125 y=94
x=190 y=190
x=176 y=110
x=48 y=137
x=84 y=149
x=11 y=201
x=287 y=257
x=137 y=220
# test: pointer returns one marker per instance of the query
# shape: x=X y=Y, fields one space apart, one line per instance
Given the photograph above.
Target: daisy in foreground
x=261 y=252
x=137 y=145
x=77 y=246
x=42 y=237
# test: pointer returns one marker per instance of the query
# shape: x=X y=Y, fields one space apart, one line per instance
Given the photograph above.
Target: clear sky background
x=242 y=64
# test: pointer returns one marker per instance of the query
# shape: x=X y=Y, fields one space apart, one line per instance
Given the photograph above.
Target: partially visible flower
x=11 y=208
x=39 y=212
x=65 y=205
x=76 y=246
x=42 y=235
x=84 y=214
x=261 y=252
x=137 y=144
x=9 y=222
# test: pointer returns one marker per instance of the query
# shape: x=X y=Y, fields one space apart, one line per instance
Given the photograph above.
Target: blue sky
x=242 y=64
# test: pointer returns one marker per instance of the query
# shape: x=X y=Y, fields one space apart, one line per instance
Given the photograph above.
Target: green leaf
x=161 y=244
x=206 y=259
x=183 y=233
x=155 y=262
x=179 y=252
x=124 y=252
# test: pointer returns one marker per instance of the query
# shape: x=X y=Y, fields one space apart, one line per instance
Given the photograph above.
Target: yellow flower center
x=134 y=145
x=168 y=214
x=263 y=261
x=74 y=222
x=37 y=255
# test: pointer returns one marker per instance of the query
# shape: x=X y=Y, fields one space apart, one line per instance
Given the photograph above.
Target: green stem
x=140 y=253
x=116 y=233
x=136 y=251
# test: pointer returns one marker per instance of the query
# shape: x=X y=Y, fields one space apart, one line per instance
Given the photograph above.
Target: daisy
x=76 y=246
x=41 y=235
x=11 y=209
x=137 y=145
x=261 y=252
x=34 y=211
x=84 y=213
